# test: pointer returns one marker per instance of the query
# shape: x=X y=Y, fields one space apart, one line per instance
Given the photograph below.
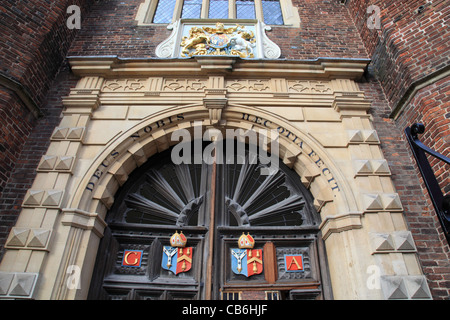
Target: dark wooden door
x=212 y=205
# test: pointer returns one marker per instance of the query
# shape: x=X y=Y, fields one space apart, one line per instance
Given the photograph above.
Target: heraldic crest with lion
x=219 y=40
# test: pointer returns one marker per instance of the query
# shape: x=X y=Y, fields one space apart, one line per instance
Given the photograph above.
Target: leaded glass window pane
x=164 y=11
x=245 y=9
x=191 y=9
x=218 y=9
x=272 y=12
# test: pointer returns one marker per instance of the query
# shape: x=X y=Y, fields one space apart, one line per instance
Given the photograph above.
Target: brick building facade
x=406 y=80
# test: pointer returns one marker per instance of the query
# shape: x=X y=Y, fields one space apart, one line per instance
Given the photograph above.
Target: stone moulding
x=340 y=223
x=83 y=220
x=320 y=69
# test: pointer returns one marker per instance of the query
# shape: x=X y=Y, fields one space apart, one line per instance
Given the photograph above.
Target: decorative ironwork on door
x=208 y=210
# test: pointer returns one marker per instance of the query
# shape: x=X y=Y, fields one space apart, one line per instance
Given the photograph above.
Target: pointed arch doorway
x=212 y=206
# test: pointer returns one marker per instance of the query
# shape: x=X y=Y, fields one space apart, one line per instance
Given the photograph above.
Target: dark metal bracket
x=441 y=203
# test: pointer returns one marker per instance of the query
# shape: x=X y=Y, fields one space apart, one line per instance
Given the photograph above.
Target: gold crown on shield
x=246 y=241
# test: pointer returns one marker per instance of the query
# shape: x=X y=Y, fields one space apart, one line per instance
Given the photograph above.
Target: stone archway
x=114 y=122
x=212 y=204
x=134 y=147
x=95 y=194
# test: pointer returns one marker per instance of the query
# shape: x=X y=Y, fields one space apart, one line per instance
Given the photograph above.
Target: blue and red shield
x=177 y=260
x=218 y=40
x=247 y=262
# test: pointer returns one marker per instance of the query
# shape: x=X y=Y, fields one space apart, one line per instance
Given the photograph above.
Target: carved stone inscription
x=284 y=132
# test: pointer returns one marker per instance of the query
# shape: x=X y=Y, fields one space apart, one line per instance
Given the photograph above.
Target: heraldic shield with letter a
x=245 y=260
x=176 y=257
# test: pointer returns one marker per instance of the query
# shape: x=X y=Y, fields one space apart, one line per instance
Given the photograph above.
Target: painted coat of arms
x=177 y=258
x=219 y=40
x=245 y=260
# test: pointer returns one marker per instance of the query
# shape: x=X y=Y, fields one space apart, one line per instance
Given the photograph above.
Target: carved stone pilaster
x=84 y=98
x=351 y=104
x=83 y=220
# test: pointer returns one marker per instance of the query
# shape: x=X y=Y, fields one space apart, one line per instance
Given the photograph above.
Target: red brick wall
x=110 y=29
x=15 y=126
x=431 y=106
x=433 y=250
x=34 y=40
x=326 y=30
x=33 y=147
x=409 y=45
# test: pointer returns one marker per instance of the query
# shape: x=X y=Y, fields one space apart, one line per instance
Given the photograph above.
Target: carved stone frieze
x=248 y=85
x=125 y=85
x=192 y=85
x=170 y=84
x=297 y=86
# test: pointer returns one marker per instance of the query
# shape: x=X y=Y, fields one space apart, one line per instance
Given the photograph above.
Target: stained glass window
x=191 y=9
x=272 y=12
x=164 y=11
x=218 y=9
x=245 y=9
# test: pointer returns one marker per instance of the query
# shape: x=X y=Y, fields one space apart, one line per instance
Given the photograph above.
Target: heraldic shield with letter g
x=245 y=260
